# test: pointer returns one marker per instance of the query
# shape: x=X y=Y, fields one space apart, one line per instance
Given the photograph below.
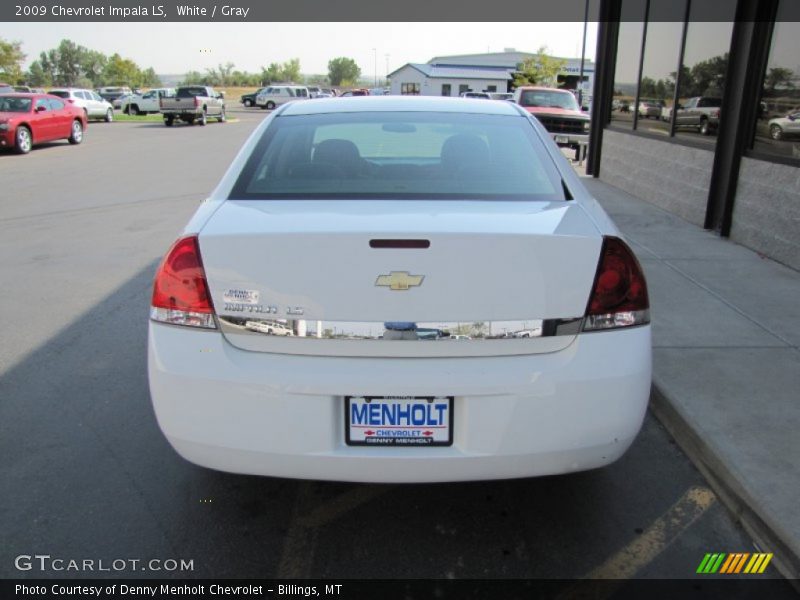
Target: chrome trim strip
x=478 y=331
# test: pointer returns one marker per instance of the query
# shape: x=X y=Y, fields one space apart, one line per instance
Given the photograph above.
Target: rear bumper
x=570 y=140
x=514 y=416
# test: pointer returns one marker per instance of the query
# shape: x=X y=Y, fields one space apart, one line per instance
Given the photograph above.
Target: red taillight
x=196 y=101
x=619 y=294
x=180 y=289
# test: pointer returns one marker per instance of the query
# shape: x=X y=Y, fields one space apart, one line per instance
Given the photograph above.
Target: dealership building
x=491 y=72
x=697 y=110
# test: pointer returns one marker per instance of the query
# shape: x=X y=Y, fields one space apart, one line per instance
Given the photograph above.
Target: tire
x=776 y=132
x=109 y=116
x=169 y=121
x=76 y=132
x=222 y=117
x=704 y=129
x=248 y=103
x=270 y=105
x=203 y=118
x=23 y=140
x=133 y=110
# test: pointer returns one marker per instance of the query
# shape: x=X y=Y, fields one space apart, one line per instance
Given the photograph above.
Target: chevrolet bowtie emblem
x=399 y=280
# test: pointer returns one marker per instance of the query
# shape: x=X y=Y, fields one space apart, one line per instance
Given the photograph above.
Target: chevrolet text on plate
x=400 y=289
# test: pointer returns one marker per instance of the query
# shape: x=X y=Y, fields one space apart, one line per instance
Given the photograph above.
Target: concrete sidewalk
x=726 y=365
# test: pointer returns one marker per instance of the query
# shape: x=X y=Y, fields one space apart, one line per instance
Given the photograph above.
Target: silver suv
x=276 y=95
x=92 y=104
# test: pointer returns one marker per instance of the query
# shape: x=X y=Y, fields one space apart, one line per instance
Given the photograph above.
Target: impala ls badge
x=399 y=280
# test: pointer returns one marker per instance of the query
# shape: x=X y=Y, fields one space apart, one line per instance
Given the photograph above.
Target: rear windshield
x=406 y=155
x=548 y=99
x=12 y=104
x=191 y=92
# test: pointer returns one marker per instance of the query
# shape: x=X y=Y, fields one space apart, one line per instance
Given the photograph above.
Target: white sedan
x=362 y=225
x=782 y=127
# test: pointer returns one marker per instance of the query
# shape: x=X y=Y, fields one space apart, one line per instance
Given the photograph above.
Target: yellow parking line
x=664 y=530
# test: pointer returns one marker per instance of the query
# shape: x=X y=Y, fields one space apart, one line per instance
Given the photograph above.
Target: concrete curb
x=731 y=490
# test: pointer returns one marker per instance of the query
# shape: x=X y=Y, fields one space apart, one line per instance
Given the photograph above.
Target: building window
x=491 y=88
x=777 y=130
x=409 y=89
x=701 y=85
x=446 y=89
x=462 y=88
x=626 y=70
x=660 y=65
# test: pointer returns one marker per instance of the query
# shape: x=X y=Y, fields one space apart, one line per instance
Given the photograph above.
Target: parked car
x=27 y=119
x=313 y=90
x=23 y=88
x=487 y=223
x=6 y=88
x=700 y=113
x=111 y=93
x=355 y=92
x=249 y=100
x=193 y=103
x=650 y=109
x=666 y=113
x=484 y=95
x=501 y=96
x=559 y=112
x=91 y=102
x=783 y=127
x=276 y=95
x=149 y=102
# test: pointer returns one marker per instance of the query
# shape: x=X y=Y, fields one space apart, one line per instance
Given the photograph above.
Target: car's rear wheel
x=76 y=133
x=203 y=119
x=222 y=118
x=109 y=115
x=270 y=105
x=169 y=121
x=24 y=141
x=704 y=129
x=776 y=132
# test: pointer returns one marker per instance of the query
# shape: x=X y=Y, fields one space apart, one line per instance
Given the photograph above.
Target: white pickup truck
x=193 y=103
x=149 y=102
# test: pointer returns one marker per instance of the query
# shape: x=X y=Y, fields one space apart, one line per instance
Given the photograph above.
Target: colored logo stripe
x=734 y=563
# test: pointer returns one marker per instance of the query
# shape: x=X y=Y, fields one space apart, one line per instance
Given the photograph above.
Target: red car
x=28 y=119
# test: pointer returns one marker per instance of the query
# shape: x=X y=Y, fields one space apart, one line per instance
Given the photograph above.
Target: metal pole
x=583 y=54
x=375 y=56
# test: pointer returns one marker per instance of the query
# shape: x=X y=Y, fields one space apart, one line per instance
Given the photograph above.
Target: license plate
x=398 y=420
x=562 y=139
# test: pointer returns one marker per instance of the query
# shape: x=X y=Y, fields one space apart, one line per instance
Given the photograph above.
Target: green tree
x=343 y=69
x=291 y=70
x=68 y=59
x=150 y=79
x=38 y=76
x=778 y=77
x=93 y=63
x=122 y=71
x=11 y=58
x=539 y=69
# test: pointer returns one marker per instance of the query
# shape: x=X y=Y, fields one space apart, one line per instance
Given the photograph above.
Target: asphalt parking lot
x=88 y=475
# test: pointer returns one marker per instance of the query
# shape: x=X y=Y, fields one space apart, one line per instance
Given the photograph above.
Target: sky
x=175 y=48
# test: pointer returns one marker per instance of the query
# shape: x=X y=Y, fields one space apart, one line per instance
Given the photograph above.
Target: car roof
x=27 y=95
x=401 y=104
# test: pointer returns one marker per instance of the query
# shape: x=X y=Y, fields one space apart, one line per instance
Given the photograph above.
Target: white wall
x=433 y=87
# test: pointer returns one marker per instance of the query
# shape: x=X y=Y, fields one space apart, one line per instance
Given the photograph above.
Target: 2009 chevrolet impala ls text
x=400 y=290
